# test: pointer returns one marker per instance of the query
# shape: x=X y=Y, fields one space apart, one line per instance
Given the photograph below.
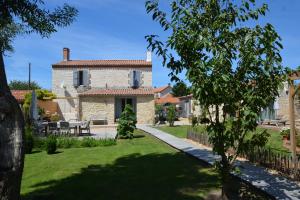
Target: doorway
x=121 y=102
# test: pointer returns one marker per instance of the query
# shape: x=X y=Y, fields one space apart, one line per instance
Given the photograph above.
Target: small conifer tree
x=127 y=123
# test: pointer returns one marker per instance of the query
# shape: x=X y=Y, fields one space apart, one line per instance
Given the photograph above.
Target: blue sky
x=115 y=29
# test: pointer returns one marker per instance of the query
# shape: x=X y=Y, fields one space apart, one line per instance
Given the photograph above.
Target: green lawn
x=178 y=131
x=274 y=142
x=141 y=168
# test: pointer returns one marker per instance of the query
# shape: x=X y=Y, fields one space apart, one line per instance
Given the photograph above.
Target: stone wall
x=99 y=105
x=145 y=109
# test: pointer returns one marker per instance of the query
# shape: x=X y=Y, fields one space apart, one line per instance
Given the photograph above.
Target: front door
x=120 y=104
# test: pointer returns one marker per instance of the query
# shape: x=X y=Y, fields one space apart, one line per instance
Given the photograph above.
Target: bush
x=285 y=133
x=92 y=142
x=51 y=144
x=171 y=114
x=194 y=121
x=65 y=143
x=88 y=142
x=29 y=141
x=126 y=123
x=55 y=117
x=204 y=120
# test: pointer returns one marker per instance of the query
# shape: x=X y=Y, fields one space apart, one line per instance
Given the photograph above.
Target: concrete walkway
x=278 y=187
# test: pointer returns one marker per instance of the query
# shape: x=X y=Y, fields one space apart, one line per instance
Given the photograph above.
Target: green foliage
x=51 y=144
x=159 y=113
x=40 y=95
x=27 y=16
x=29 y=140
x=194 y=120
x=285 y=133
x=23 y=85
x=66 y=143
x=55 y=118
x=92 y=142
x=233 y=67
x=45 y=95
x=126 y=123
x=171 y=114
x=180 y=89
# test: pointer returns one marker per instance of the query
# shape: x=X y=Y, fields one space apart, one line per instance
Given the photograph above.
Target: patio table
x=75 y=124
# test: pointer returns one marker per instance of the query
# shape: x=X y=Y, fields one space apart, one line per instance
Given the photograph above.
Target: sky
x=115 y=29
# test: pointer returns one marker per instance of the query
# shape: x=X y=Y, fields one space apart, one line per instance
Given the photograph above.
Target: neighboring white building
x=86 y=89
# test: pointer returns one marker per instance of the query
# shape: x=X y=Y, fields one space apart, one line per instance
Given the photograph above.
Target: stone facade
x=105 y=105
x=145 y=109
x=90 y=106
x=73 y=106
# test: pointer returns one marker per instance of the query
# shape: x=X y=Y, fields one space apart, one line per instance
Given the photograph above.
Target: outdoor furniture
x=64 y=128
x=85 y=127
x=52 y=128
x=98 y=118
x=76 y=126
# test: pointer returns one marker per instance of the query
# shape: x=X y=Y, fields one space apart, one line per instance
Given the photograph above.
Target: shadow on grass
x=152 y=176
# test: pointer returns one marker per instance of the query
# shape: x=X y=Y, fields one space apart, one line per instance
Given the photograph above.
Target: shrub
x=171 y=114
x=159 y=114
x=285 y=133
x=29 y=141
x=194 y=121
x=126 y=123
x=51 y=144
x=66 y=143
x=88 y=142
x=55 y=117
x=39 y=143
x=107 y=142
x=204 y=120
x=92 y=142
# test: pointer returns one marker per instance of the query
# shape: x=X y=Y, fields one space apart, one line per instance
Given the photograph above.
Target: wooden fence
x=267 y=157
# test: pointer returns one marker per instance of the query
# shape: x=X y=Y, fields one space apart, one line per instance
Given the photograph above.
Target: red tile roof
x=20 y=94
x=169 y=98
x=160 y=89
x=116 y=92
x=103 y=63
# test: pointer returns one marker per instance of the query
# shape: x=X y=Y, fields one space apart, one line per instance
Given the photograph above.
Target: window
x=80 y=78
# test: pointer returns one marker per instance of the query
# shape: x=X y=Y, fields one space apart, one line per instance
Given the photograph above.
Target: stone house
x=100 y=89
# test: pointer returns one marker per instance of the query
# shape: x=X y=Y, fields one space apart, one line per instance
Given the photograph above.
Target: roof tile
x=103 y=63
x=123 y=91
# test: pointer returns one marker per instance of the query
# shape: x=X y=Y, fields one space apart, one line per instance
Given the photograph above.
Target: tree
x=171 y=114
x=21 y=17
x=234 y=68
x=23 y=85
x=180 y=89
x=126 y=123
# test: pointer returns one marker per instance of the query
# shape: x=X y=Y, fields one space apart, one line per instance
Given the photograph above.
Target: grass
x=274 y=142
x=178 y=131
x=141 y=168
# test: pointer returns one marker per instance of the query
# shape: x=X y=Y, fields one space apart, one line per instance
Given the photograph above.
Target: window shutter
x=86 y=78
x=138 y=79
x=131 y=79
x=75 y=78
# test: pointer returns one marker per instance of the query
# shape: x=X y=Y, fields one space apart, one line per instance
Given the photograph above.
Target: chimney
x=149 y=56
x=66 y=54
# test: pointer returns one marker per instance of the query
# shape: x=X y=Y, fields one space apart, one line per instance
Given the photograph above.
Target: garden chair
x=86 y=127
x=52 y=128
x=64 y=128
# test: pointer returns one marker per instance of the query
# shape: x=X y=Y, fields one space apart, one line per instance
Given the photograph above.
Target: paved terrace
x=278 y=187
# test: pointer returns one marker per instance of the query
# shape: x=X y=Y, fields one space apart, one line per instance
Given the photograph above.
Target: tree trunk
x=11 y=141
